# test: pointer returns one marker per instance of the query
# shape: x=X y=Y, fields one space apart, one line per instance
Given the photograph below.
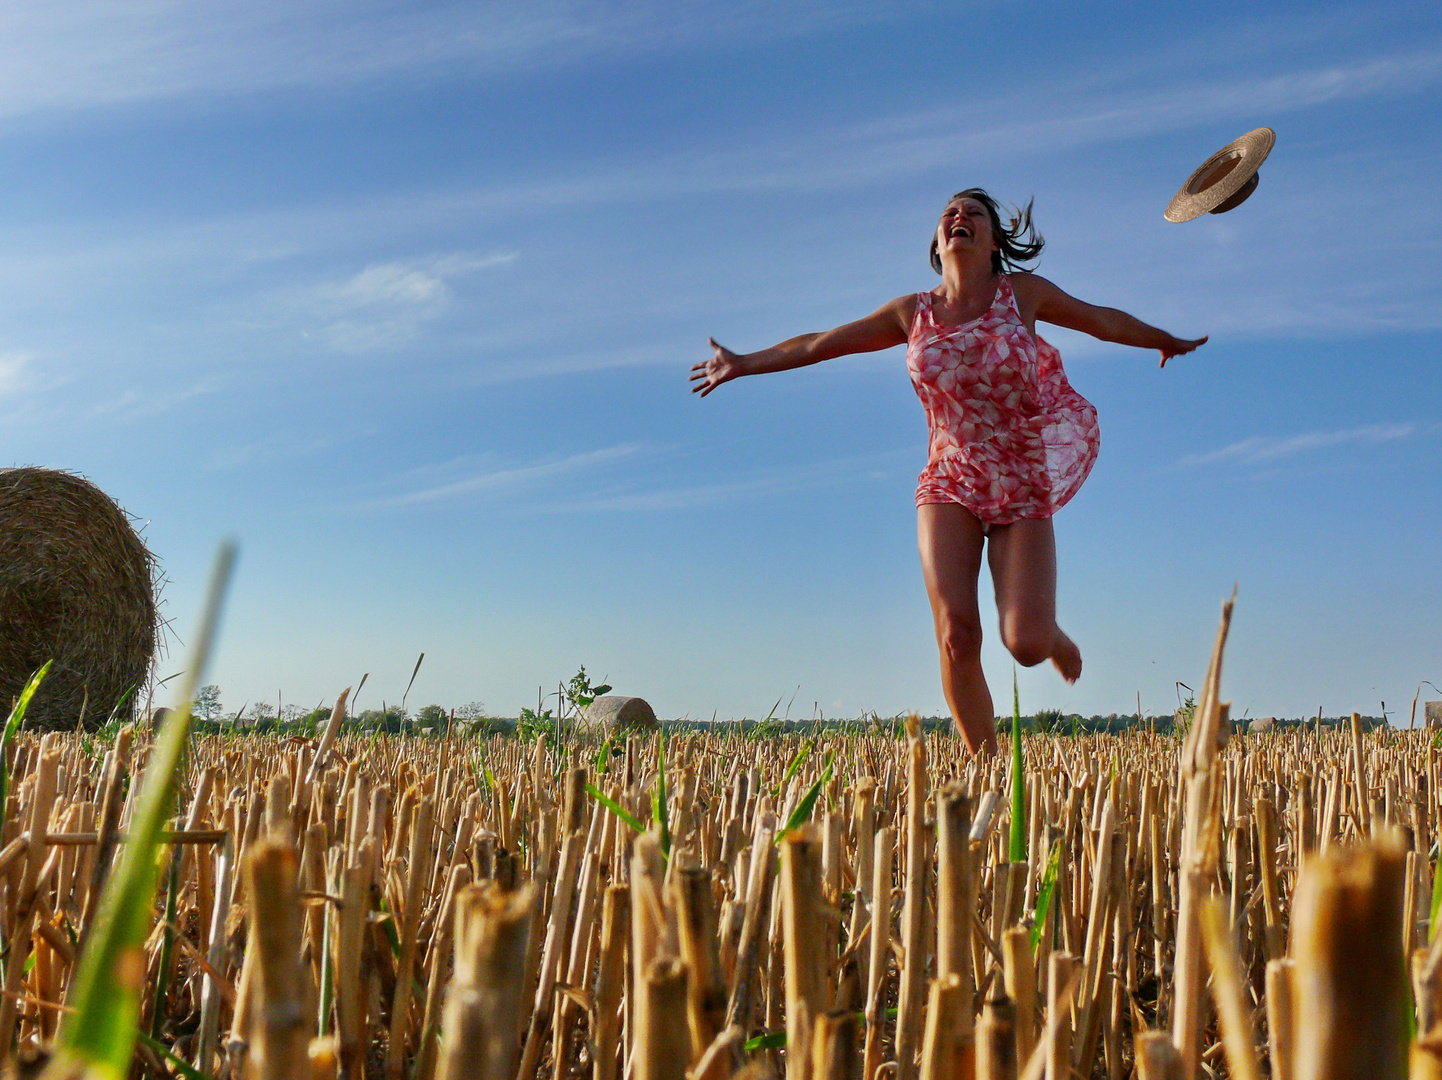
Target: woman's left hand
x=1180 y=347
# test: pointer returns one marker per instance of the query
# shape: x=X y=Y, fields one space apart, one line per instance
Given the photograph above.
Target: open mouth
x=959 y=231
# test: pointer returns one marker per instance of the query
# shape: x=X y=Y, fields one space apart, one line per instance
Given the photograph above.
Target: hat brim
x=1222 y=176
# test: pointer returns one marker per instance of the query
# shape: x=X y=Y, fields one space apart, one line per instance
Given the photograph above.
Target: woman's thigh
x=1022 y=556
x=950 y=538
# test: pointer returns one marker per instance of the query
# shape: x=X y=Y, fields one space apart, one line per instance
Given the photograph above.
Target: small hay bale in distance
x=615 y=712
x=1432 y=712
x=76 y=586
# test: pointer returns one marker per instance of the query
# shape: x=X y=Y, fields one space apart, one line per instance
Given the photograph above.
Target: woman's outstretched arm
x=888 y=325
x=1048 y=303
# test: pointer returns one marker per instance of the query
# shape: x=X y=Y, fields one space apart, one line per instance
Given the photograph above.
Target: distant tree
x=207 y=702
x=261 y=712
x=432 y=716
x=317 y=718
x=471 y=711
x=1048 y=721
x=392 y=718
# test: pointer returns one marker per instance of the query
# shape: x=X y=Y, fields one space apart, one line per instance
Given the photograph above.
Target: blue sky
x=403 y=296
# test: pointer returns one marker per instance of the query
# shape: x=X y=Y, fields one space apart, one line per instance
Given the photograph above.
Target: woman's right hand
x=723 y=366
x=1180 y=347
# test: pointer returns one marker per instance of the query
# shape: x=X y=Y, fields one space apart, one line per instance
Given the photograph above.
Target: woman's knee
x=959 y=638
x=1028 y=640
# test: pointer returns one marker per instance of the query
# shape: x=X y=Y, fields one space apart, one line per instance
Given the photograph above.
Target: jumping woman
x=1010 y=440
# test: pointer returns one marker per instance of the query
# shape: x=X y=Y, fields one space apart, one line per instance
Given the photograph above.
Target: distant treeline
x=433 y=719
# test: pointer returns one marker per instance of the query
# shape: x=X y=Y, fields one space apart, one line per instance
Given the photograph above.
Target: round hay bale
x=615 y=712
x=76 y=586
x=1261 y=725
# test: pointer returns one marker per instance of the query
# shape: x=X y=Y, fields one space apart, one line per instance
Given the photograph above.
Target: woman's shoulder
x=1026 y=285
x=911 y=303
x=906 y=307
x=1029 y=291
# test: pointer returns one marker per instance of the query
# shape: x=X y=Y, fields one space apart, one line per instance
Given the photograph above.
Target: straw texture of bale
x=77 y=586
x=616 y=711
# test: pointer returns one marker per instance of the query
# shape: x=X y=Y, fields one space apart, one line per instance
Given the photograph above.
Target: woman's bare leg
x=951 y=538
x=1023 y=570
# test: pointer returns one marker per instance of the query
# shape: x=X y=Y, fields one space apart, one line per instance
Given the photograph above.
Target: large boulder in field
x=616 y=712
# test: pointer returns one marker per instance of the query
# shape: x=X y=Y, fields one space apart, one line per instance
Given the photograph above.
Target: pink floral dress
x=1010 y=438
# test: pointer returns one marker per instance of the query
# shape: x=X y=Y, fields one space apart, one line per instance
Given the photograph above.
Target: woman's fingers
x=1180 y=348
x=709 y=374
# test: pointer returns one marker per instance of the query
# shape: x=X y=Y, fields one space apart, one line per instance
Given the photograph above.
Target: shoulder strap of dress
x=1006 y=295
x=923 y=304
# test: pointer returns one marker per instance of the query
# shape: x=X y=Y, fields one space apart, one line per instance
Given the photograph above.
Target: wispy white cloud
x=1051 y=116
x=89 y=53
x=470 y=477
x=1105 y=114
x=133 y=404
x=386 y=304
x=785 y=481
x=14 y=373
x=284 y=445
x=690 y=497
x=549 y=486
x=1264 y=449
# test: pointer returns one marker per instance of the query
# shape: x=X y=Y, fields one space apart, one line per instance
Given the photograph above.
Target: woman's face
x=965 y=230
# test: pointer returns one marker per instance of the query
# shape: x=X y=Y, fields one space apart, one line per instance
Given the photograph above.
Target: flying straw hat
x=1225 y=179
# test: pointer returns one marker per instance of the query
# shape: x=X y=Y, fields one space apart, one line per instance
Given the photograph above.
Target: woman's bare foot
x=1066 y=657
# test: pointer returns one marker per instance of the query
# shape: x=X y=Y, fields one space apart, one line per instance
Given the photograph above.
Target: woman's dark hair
x=1017 y=243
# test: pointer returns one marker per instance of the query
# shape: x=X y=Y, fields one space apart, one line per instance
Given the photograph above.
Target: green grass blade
x=1018 y=778
x=17 y=714
x=183 y=1067
x=167 y=944
x=802 y=814
x=1432 y=927
x=603 y=757
x=414 y=673
x=99 y=1037
x=659 y=811
x=327 y=975
x=791 y=769
x=1043 y=894
x=388 y=928
x=615 y=807
x=772 y=1040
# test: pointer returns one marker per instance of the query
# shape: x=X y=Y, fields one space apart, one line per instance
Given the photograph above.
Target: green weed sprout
x=17 y=714
x=1017 y=851
x=802 y=814
x=98 y=1039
